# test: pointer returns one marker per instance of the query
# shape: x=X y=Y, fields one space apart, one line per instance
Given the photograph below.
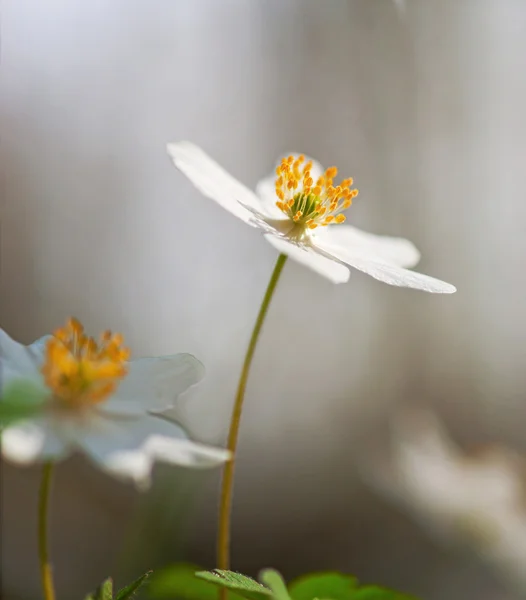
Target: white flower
x=94 y=400
x=298 y=210
x=475 y=498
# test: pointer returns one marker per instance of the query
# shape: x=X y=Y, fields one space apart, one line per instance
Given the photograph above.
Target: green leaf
x=337 y=586
x=21 y=399
x=275 y=582
x=245 y=586
x=179 y=581
x=331 y=584
x=103 y=592
x=373 y=592
x=129 y=590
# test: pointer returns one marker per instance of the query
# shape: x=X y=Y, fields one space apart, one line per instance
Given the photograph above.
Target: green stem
x=223 y=540
x=43 y=552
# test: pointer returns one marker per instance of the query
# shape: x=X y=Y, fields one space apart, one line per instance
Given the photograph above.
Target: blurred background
x=350 y=463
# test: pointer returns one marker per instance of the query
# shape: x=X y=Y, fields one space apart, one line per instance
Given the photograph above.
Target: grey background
x=421 y=102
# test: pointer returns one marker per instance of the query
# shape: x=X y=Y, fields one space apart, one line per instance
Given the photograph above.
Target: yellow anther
x=76 y=326
x=78 y=371
x=308 y=204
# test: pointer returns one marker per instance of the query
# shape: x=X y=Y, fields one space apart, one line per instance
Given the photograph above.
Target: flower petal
x=19 y=359
x=351 y=240
x=266 y=189
x=154 y=384
x=30 y=441
x=129 y=449
x=333 y=270
x=212 y=180
x=398 y=276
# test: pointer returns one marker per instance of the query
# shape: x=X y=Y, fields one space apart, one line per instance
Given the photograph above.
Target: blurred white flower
x=94 y=400
x=474 y=499
x=298 y=210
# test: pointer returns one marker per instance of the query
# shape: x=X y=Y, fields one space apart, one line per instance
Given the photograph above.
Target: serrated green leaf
x=103 y=592
x=243 y=585
x=274 y=581
x=21 y=399
x=129 y=590
x=179 y=581
x=330 y=584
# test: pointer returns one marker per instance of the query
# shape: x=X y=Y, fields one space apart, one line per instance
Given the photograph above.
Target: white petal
x=30 y=441
x=212 y=180
x=266 y=190
x=154 y=384
x=348 y=240
x=17 y=358
x=331 y=269
x=394 y=275
x=129 y=449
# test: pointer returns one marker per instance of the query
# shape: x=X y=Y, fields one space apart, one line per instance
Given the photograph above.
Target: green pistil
x=308 y=205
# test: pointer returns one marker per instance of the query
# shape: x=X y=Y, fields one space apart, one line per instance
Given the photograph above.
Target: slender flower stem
x=43 y=551
x=223 y=541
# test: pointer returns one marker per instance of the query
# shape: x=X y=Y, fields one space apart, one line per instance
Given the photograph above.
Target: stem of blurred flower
x=223 y=541
x=43 y=551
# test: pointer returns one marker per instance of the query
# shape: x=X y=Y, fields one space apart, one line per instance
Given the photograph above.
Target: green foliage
x=21 y=399
x=105 y=590
x=332 y=585
x=179 y=581
x=245 y=586
x=188 y=582
x=130 y=590
x=275 y=582
x=373 y=592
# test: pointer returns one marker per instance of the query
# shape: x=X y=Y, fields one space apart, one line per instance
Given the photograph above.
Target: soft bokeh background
x=423 y=104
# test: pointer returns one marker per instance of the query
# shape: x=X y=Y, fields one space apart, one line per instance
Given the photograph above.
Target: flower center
x=308 y=203
x=79 y=371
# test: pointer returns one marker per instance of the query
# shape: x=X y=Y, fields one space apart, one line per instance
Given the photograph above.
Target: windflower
x=299 y=211
x=472 y=498
x=93 y=399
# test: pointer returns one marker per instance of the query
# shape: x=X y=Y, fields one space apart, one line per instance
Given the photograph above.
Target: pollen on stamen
x=311 y=201
x=79 y=371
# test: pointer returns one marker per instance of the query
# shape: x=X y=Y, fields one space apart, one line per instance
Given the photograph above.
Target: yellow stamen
x=311 y=202
x=79 y=371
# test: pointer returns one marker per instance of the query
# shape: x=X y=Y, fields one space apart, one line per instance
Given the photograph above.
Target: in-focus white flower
x=299 y=212
x=94 y=400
